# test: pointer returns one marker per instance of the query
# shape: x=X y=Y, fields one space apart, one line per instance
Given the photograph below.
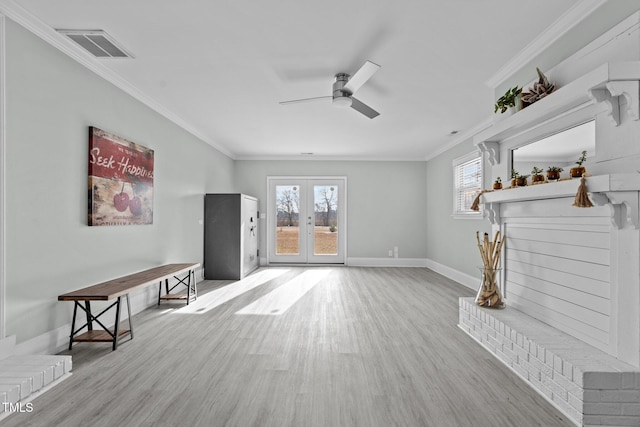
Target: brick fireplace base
x=588 y=385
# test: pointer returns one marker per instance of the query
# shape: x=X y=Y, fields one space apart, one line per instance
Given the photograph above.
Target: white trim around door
x=306 y=220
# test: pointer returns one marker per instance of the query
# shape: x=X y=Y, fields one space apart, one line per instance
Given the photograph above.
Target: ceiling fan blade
x=296 y=101
x=361 y=76
x=363 y=108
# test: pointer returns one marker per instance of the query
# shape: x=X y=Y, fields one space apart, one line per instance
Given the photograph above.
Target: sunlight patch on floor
x=219 y=296
x=281 y=299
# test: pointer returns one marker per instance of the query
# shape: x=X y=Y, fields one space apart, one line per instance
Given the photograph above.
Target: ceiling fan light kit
x=342 y=101
x=345 y=86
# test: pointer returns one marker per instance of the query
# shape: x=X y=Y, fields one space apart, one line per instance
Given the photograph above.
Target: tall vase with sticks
x=489 y=292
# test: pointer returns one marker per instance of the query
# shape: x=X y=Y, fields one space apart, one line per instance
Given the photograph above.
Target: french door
x=307 y=220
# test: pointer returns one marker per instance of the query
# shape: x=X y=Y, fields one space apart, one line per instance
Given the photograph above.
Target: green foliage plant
x=507 y=100
x=583 y=158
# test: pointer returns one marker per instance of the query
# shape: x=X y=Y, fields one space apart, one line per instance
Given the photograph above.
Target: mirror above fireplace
x=561 y=149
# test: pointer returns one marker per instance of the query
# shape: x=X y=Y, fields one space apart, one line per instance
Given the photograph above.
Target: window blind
x=467 y=184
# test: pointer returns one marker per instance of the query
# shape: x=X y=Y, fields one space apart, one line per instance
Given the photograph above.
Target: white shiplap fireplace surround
x=571 y=276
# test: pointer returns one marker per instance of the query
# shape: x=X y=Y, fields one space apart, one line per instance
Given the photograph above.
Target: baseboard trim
x=51 y=342
x=367 y=262
x=386 y=262
x=465 y=279
x=57 y=340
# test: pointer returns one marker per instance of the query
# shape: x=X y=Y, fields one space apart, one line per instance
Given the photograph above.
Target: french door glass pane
x=288 y=216
x=325 y=230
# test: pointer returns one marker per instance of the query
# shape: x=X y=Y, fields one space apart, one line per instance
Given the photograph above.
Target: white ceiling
x=221 y=67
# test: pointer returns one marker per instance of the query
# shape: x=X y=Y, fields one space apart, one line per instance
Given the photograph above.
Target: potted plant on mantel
x=578 y=171
x=509 y=101
x=539 y=90
x=497 y=184
x=536 y=175
x=553 y=173
x=514 y=175
x=521 y=180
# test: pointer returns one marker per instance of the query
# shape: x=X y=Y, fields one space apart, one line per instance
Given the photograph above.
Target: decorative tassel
x=582 y=197
x=475 y=206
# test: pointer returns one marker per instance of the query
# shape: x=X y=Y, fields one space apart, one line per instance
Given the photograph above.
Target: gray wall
x=386 y=206
x=51 y=101
x=451 y=242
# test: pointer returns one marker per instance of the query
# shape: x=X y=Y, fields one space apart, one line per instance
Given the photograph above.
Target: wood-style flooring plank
x=363 y=347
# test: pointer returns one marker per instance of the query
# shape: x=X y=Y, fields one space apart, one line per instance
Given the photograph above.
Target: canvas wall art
x=120 y=181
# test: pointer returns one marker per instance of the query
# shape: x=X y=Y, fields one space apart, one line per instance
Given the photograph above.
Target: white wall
x=386 y=206
x=51 y=101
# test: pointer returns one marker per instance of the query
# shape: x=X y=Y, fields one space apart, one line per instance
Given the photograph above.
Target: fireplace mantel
x=570 y=276
x=575 y=268
x=552 y=246
x=603 y=87
x=619 y=191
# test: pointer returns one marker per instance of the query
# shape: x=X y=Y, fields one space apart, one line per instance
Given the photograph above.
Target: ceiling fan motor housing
x=341 y=98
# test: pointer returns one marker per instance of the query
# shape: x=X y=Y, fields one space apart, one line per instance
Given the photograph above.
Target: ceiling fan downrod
x=341 y=97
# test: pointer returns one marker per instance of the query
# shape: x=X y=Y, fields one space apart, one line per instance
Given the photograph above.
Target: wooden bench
x=120 y=287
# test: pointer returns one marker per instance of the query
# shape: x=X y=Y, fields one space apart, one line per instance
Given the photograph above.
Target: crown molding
x=21 y=16
x=559 y=28
x=298 y=158
x=460 y=138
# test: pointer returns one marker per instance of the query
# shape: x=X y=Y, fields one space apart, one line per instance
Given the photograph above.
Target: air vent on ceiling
x=97 y=42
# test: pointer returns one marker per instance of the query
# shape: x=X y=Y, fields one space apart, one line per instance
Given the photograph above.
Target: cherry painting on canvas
x=120 y=180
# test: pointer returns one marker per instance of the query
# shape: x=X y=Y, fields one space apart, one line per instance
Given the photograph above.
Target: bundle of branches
x=489 y=293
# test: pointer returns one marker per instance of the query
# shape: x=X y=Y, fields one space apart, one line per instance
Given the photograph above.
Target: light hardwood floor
x=362 y=347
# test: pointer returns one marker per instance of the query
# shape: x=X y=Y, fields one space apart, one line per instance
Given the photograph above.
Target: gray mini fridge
x=230 y=236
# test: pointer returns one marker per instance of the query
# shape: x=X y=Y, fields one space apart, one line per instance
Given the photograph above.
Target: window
x=467 y=183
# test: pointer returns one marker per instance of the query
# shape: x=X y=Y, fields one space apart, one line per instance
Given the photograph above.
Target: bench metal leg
x=129 y=312
x=73 y=324
x=189 y=288
x=195 y=285
x=94 y=318
x=117 y=325
x=192 y=291
x=87 y=305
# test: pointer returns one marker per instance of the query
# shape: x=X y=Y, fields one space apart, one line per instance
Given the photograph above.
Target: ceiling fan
x=344 y=87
